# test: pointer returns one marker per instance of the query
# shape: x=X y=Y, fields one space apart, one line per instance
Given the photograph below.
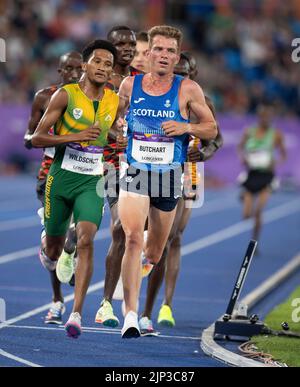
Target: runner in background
x=257 y=153
x=140 y=60
x=124 y=40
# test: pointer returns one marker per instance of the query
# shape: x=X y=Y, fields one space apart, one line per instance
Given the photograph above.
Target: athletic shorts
x=164 y=189
x=68 y=192
x=257 y=181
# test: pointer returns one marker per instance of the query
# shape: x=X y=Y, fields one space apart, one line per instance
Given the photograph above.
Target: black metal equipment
x=243 y=327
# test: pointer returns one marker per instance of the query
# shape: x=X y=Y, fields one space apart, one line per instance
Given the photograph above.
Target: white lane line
x=20 y=254
x=97 y=330
x=18 y=359
x=18 y=204
x=43 y=308
x=16 y=224
x=34 y=221
x=212 y=206
x=240 y=227
x=227 y=233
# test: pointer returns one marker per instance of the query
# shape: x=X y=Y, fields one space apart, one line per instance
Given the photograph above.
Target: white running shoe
x=65 y=267
x=131 y=327
x=73 y=325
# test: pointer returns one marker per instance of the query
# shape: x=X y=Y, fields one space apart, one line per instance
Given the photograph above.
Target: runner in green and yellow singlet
x=256 y=151
x=82 y=115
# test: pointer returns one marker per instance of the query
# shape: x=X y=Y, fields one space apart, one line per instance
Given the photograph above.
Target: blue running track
x=214 y=245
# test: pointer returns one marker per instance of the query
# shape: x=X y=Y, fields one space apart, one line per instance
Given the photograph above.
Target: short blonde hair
x=168 y=32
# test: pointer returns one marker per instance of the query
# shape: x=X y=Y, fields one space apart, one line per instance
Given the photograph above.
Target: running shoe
x=73 y=325
x=65 y=267
x=105 y=315
x=165 y=316
x=47 y=262
x=131 y=329
x=146 y=266
x=146 y=327
x=55 y=313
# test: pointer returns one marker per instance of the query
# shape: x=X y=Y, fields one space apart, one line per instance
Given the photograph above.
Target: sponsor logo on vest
x=139 y=100
x=77 y=113
x=154 y=113
x=167 y=103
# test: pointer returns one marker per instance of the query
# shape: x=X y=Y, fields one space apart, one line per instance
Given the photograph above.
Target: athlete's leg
x=248 y=201
x=85 y=236
x=157 y=275
x=55 y=283
x=71 y=239
x=159 y=227
x=133 y=212
x=174 y=254
x=115 y=254
x=262 y=199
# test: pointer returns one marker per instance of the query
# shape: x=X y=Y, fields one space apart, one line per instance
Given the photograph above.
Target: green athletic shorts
x=69 y=192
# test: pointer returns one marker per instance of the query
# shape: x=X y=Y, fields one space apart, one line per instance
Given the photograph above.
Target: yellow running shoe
x=105 y=315
x=65 y=267
x=165 y=316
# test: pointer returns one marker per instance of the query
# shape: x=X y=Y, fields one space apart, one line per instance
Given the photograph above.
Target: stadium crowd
x=243 y=47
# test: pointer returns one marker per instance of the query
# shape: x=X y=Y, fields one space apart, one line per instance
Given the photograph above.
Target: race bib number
x=50 y=152
x=259 y=159
x=87 y=161
x=153 y=149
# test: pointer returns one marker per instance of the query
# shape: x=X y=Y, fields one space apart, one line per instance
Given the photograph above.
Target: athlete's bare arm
x=280 y=145
x=116 y=131
x=58 y=103
x=37 y=111
x=241 y=146
x=192 y=100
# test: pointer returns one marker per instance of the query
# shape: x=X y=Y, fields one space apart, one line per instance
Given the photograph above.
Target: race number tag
x=87 y=161
x=259 y=159
x=152 y=148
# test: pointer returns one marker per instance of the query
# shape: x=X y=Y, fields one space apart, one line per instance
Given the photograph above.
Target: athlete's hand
x=174 y=128
x=89 y=134
x=121 y=126
x=122 y=142
x=194 y=155
x=207 y=152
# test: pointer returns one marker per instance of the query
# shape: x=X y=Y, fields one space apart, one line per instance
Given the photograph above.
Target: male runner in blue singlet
x=158 y=134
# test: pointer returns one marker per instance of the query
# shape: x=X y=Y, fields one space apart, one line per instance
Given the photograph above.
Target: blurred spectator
x=243 y=48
